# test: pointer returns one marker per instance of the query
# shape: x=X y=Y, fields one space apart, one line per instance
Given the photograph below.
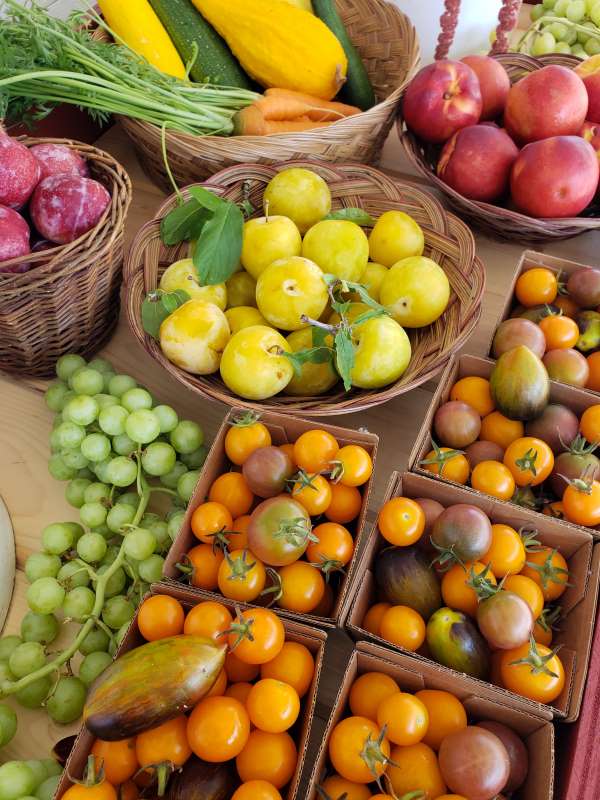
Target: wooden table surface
x=34 y=499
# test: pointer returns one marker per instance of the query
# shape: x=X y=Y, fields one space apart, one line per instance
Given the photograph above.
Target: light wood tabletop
x=34 y=499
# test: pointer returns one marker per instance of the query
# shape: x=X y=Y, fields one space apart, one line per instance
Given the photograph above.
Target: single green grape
x=543 y=44
x=195 y=459
x=91 y=547
x=68 y=364
x=167 y=417
x=72 y=574
x=59 y=470
x=97 y=492
x=536 y=12
x=42 y=628
x=548 y=4
x=117 y=611
x=79 y=603
x=592 y=46
x=55 y=395
x=112 y=420
x=101 y=365
x=96 y=447
x=122 y=471
x=96 y=641
x=47 y=789
x=142 y=426
x=174 y=524
x=119 y=515
x=26 y=658
x=151 y=569
x=8 y=724
x=66 y=702
x=16 y=780
x=46 y=595
x=187 y=436
x=119 y=384
x=101 y=469
x=112 y=551
x=74 y=459
x=123 y=445
x=562 y=47
x=92 y=666
x=159 y=529
x=54 y=445
x=582 y=37
x=82 y=410
x=105 y=401
x=108 y=376
x=139 y=544
x=75 y=491
x=38 y=769
x=57 y=538
x=558 y=29
x=560 y=7
x=116 y=582
x=172 y=477
x=576 y=10
x=52 y=767
x=594 y=14
x=41 y=565
x=129 y=499
x=134 y=399
x=86 y=473
x=93 y=514
x=87 y=381
x=187 y=483
x=158 y=459
x=8 y=644
x=5 y=673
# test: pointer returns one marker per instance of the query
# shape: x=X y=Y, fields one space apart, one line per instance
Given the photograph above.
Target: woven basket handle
x=507 y=21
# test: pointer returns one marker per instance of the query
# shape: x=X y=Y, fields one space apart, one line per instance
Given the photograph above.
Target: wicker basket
x=388 y=45
x=69 y=300
x=506 y=223
x=448 y=241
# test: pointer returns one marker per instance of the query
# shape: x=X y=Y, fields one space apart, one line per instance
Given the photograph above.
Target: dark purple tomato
x=279 y=530
x=557 y=425
x=505 y=620
x=567 y=366
x=464 y=531
x=432 y=509
x=456 y=424
x=483 y=451
x=570 y=466
x=584 y=287
x=516 y=331
x=474 y=763
x=266 y=471
x=517 y=752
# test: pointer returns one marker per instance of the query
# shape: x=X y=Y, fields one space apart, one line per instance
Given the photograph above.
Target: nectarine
x=477 y=161
x=556 y=177
x=493 y=81
x=442 y=98
x=589 y=72
x=591 y=133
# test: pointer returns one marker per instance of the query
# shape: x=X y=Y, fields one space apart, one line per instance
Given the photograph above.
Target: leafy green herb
x=357 y=215
x=157 y=306
x=183 y=223
x=219 y=247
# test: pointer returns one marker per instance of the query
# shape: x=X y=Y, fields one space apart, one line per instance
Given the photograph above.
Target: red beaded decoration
x=507 y=20
x=508 y=16
x=448 y=21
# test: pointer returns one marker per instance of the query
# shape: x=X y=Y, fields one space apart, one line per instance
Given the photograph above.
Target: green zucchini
x=358 y=90
x=193 y=36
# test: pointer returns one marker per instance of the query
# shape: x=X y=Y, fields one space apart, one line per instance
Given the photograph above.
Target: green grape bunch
x=563 y=26
x=130 y=466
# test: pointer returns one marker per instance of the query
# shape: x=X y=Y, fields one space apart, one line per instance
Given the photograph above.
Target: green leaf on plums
x=183 y=223
x=219 y=246
x=157 y=306
x=313 y=355
x=345 y=356
x=357 y=215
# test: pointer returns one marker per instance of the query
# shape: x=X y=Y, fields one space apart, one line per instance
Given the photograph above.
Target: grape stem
x=11 y=687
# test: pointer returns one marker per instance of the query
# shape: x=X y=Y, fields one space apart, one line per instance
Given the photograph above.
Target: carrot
x=314 y=107
x=250 y=121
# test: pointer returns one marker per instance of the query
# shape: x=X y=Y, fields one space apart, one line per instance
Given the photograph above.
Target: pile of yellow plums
x=279 y=297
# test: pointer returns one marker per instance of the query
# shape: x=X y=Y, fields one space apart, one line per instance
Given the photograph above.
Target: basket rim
x=349 y=402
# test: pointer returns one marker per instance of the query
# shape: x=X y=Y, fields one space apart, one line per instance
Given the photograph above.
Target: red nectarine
x=493 y=81
x=589 y=72
x=591 y=133
x=477 y=161
x=442 y=98
x=551 y=101
x=556 y=177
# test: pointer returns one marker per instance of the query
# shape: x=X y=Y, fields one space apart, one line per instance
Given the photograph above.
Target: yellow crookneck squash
x=280 y=45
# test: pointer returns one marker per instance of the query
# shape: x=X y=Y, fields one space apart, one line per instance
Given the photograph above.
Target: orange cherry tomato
x=163 y=744
x=593 y=381
x=369 y=691
x=406 y=718
x=270 y=757
x=354 y=465
x=241 y=576
x=232 y=491
x=501 y=430
x=258 y=636
x=560 y=331
x=219 y=686
x=453 y=468
x=237 y=538
x=589 y=424
x=238 y=671
x=99 y=791
x=302 y=587
x=239 y=691
x=401 y=521
x=314 y=450
x=582 y=506
x=210 y=518
x=335 y=786
x=556 y=510
x=218 y=729
x=345 y=505
x=256 y=790
x=160 y=616
x=536 y=287
x=209 y=619
x=119 y=759
x=273 y=705
x=404 y=627
x=542 y=635
x=346 y=746
x=334 y=548
x=475 y=392
x=506 y=555
x=446 y=715
x=243 y=439
x=530 y=460
x=288 y=449
x=542 y=685
x=415 y=767
x=457 y=590
x=548 y=568
x=314 y=496
x=372 y=619
x=294 y=665
x=528 y=590
x=204 y=560
x=493 y=478
x=567 y=305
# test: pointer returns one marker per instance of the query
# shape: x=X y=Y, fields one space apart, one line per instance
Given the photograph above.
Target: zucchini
x=358 y=90
x=193 y=36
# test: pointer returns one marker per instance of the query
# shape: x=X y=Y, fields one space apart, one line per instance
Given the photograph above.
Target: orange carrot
x=250 y=121
x=314 y=107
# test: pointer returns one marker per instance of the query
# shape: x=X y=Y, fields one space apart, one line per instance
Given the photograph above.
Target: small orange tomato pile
x=450 y=570
x=244 y=726
x=547 y=463
x=393 y=743
x=558 y=318
x=276 y=526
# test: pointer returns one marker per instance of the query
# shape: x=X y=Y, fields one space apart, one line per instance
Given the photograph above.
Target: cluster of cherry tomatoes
x=393 y=743
x=559 y=322
x=450 y=570
x=546 y=464
x=274 y=528
x=245 y=722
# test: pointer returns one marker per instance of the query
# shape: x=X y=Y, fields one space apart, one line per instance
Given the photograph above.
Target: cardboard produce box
x=284 y=429
x=412 y=676
x=578 y=601
x=313 y=639
x=571 y=396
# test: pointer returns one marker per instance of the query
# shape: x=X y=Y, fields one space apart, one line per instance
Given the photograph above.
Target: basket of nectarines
x=512 y=141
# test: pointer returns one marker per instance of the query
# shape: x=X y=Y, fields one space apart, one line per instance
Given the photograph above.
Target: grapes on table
x=557 y=26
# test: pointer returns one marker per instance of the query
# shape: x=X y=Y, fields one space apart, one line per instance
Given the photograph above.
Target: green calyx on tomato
x=296 y=531
x=527 y=463
x=372 y=754
x=537 y=661
x=239 y=567
x=549 y=617
x=328 y=565
x=440 y=457
x=245 y=419
x=529 y=539
x=480 y=582
x=549 y=573
x=525 y=497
